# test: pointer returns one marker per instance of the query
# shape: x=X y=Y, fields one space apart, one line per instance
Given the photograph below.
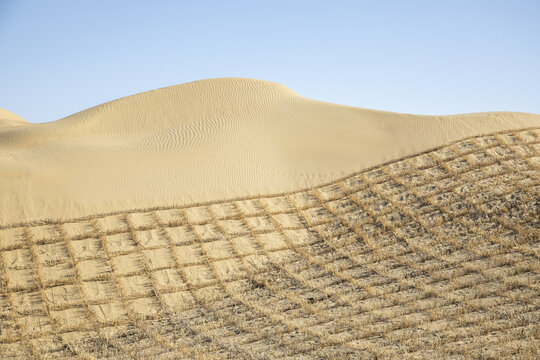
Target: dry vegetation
x=434 y=256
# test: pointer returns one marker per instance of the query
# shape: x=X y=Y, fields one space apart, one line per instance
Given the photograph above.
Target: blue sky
x=58 y=57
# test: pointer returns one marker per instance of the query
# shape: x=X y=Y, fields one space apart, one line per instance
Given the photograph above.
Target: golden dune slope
x=205 y=141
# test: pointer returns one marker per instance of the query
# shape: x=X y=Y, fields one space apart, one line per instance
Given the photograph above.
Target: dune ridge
x=206 y=141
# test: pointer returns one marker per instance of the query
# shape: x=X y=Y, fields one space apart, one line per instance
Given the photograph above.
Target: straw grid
x=435 y=255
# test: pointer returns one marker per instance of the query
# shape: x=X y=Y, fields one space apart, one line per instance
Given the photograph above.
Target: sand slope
x=204 y=141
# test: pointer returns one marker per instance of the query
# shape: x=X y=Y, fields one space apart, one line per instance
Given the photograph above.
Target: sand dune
x=235 y=219
x=205 y=141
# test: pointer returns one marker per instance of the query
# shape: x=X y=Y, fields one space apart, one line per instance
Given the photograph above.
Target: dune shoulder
x=9 y=119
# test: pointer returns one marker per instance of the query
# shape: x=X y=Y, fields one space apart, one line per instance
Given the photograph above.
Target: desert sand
x=206 y=141
x=234 y=218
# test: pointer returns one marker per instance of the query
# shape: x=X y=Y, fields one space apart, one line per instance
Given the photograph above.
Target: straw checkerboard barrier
x=435 y=255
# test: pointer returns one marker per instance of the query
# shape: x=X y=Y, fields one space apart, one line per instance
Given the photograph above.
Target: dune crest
x=205 y=141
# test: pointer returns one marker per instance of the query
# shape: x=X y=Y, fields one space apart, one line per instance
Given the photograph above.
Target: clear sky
x=58 y=57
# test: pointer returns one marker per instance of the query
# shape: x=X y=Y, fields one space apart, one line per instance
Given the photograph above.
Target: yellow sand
x=9 y=119
x=205 y=141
